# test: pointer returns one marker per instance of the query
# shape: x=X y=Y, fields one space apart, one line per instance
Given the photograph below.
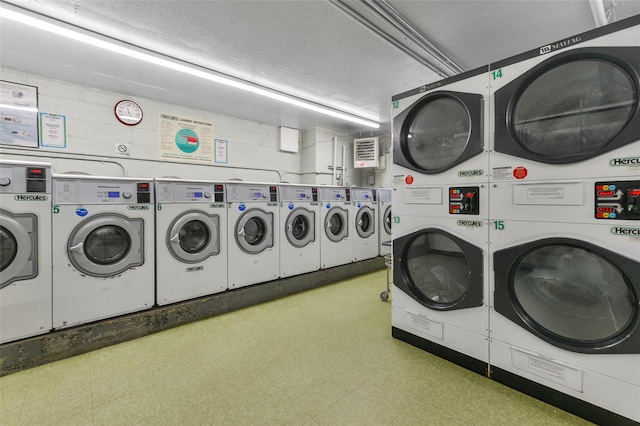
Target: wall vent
x=365 y=153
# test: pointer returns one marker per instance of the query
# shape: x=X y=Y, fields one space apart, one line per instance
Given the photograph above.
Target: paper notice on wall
x=185 y=139
x=53 y=130
x=221 y=151
x=18 y=114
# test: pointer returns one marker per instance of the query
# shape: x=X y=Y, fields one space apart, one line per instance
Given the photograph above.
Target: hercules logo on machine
x=474 y=223
x=623 y=230
x=628 y=161
x=21 y=197
x=471 y=173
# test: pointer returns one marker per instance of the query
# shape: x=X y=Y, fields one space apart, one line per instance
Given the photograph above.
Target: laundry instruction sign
x=185 y=139
x=18 y=114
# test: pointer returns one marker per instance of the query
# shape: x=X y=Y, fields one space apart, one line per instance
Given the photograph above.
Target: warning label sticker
x=503 y=173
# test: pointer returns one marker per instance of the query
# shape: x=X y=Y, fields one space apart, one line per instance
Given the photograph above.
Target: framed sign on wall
x=18 y=114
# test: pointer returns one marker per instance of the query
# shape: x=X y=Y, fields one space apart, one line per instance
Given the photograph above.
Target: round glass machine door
x=254 y=231
x=18 y=244
x=573 y=294
x=107 y=245
x=387 y=220
x=365 y=222
x=336 y=224
x=194 y=236
x=572 y=110
x=9 y=248
x=300 y=227
x=436 y=134
x=439 y=270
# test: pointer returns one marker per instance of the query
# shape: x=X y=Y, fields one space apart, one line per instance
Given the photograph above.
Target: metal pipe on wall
x=344 y=168
x=392 y=17
x=342 y=5
x=598 y=12
x=335 y=157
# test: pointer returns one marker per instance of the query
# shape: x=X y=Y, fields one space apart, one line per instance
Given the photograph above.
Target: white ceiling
x=312 y=49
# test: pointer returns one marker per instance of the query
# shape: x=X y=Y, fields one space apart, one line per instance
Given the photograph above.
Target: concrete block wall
x=383 y=176
x=318 y=155
x=93 y=134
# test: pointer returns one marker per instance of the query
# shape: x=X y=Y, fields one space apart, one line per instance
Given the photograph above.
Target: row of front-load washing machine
x=76 y=249
x=517 y=241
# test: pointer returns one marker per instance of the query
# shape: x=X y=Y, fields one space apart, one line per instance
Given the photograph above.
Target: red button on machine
x=520 y=172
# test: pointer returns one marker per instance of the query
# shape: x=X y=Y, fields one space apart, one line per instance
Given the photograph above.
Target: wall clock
x=128 y=113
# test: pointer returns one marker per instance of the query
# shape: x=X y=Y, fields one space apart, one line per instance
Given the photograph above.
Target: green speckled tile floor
x=322 y=357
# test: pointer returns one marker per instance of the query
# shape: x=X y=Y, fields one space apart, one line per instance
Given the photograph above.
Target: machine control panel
x=99 y=191
x=32 y=178
x=333 y=194
x=189 y=192
x=385 y=195
x=298 y=193
x=218 y=193
x=144 y=192
x=363 y=195
x=36 y=179
x=618 y=200
x=252 y=192
x=464 y=200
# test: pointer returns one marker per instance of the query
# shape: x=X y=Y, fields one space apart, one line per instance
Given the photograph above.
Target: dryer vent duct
x=365 y=153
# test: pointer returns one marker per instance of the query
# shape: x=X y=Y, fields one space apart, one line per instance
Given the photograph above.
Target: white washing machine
x=439 y=131
x=253 y=215
x=191 y=239
x=25 y=232
x=565 y=317
x=385 y=218
x=299 y=229
x=103 y=248
x=569 y=109
x=335 y=239
x=364 y=221
x=440 y=275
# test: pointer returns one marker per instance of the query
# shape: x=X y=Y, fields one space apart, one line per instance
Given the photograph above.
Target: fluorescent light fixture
x=82 y=37
x=19 y=108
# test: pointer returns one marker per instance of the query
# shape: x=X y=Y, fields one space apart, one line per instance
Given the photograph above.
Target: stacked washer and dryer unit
x=563 y=304
x=25 y=238
x=565 y=239
x=440 y=248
